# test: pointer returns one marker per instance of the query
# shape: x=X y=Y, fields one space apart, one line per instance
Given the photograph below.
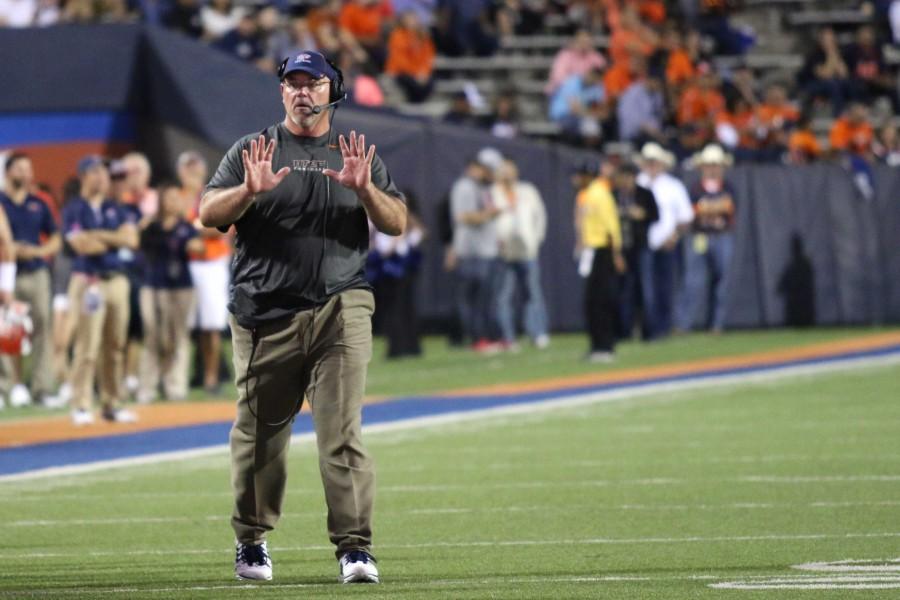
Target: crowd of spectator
x=656 y=81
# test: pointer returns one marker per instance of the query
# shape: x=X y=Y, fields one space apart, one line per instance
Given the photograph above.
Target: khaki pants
x=166 y=354
x=99 y=335
x=34 y=290
x=321 y=354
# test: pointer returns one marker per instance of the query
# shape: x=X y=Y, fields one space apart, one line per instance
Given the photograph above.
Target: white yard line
x=542 y=508
x=11 y=556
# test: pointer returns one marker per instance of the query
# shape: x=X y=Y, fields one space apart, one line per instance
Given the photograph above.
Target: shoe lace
x=252 y=554
x=359 y=556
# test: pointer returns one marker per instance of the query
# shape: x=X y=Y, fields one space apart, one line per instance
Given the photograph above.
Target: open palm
x=258 y=175
x=357 y=171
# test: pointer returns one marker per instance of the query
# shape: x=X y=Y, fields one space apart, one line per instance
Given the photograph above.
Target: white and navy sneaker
x=81 y=417
x=251 y=561
x=358 y=566
x=119 y=415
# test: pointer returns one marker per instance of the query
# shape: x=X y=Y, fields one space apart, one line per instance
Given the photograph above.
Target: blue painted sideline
x=22 y=129
x=57 y=454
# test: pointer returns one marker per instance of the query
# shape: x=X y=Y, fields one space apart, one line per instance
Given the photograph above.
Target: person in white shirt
x=521 y=228
x=675 y=216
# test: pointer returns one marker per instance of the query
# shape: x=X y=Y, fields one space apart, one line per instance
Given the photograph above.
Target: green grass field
x=651 y=497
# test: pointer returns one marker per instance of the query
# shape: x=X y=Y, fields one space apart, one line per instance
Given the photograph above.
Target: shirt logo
x=310 y=165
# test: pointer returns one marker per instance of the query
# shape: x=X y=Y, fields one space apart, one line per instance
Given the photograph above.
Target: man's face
x=625 y=180
x=712 y=171
x=20 y=174
x=95 y=181
x=193 y=174
x=300 y=92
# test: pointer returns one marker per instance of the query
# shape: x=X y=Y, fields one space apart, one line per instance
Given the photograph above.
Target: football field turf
x=687 y=494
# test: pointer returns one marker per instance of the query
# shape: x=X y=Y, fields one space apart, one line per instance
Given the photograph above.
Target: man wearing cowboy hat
x=675 y=216
x=711 y=241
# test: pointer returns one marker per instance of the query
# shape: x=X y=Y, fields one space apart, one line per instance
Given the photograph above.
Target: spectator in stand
x=219 y=17
x=243 y=42
x=621 y=75
x=518 y=17
x=184 y=16
x=887 y=145
x=825 y=74
x=714 y=23
x=735 y=128
x=774 y=119
x=598 y=247
x=363 y=85
x=521 y=229
x=96 y=229
x=424 y=9
x=475 y=248
x=331 y=37
x=299 y=38
x=209 y=271
x=865 y=61
x=368 y=20
x=167 y=299
x=577 y=58
x=894 y=19
x=709 y=246
x=675 y=216
x=460 y=111
x=504 y=119
x=852 y=133
x=631 y=37
x=641 y=111
x=37 y=240
x=467 y=27
x=273 y=37
x=410 y=58
x=637 y=211
x=579 y=106
x=673 y=59
x=699 y=107
x=803 y=147
x=741 y=84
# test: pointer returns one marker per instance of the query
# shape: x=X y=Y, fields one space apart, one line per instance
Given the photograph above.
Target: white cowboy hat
x=712 y=154
x=651 y=151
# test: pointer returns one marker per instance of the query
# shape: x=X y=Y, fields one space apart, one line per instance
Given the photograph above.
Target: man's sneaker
x=50 y=401
x=119 y=415
x=251 y=561
x=81 y=416
x=358 y=566
x=19 y=396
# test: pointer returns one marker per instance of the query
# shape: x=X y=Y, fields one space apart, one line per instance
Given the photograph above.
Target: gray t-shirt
x=302 y=242
x=472 y=241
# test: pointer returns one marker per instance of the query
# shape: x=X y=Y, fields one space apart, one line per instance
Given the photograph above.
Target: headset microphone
x=320 y=107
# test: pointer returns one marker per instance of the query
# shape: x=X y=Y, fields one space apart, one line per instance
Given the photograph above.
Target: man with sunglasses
x=301 y=309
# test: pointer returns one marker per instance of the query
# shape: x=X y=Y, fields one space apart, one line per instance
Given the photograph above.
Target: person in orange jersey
x=410 y=57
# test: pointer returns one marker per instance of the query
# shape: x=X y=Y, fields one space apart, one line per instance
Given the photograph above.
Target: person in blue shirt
x=97 y=230
x=167 y=298
x=578 y=104
x=36 y=240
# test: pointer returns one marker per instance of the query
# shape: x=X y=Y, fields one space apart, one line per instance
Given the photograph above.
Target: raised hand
x=357 y=171
x=258 y=175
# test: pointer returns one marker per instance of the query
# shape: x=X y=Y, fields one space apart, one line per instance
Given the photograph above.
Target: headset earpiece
x=336 y=88
x=281 y=68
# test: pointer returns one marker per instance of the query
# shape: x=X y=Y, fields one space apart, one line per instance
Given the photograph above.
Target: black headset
x=335 y=87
